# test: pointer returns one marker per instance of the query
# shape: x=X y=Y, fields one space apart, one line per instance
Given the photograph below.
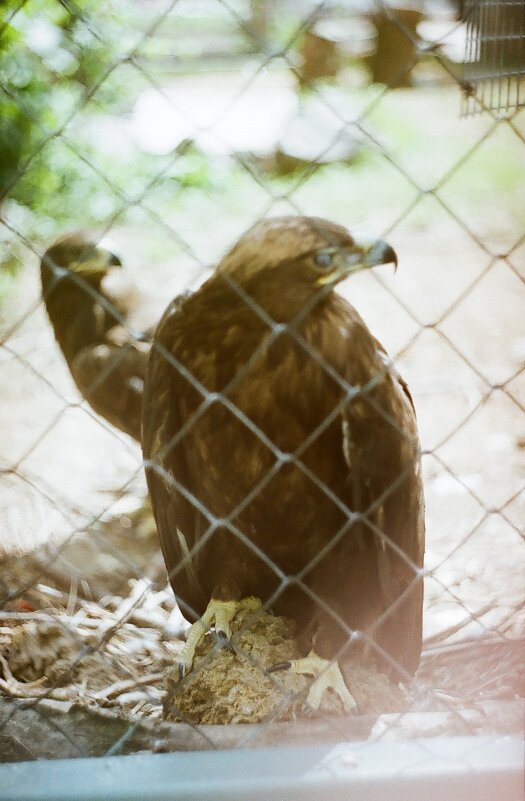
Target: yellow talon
x=328 y=676
x=220 y=614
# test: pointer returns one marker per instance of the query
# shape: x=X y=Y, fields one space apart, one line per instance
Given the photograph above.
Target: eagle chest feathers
x=275 y=400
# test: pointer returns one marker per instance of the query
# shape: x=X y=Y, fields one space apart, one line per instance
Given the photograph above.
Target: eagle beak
x=97 y=259
x=114 y=260
x=380 y=252
x=366 y=255
x=106 y=247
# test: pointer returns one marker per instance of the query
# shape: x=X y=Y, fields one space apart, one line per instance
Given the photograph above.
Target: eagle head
x=299 y=258
x=80 y=253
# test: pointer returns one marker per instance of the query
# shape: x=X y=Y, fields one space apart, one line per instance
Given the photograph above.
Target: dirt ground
x=63 y=467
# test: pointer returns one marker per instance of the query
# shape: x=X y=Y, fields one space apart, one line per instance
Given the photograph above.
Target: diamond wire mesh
x=77 y=517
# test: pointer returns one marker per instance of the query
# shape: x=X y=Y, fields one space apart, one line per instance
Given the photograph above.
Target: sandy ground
x=64 y=467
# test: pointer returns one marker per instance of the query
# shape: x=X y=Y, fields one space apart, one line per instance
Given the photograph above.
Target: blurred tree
x=397 y=37
x=320 y=56
x=261 y=13
x=48 y=56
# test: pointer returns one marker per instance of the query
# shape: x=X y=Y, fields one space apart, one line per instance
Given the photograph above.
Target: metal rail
x=435 y=769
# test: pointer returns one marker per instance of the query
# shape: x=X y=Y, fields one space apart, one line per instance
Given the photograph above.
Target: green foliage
x=66 y=93
x=50 y=58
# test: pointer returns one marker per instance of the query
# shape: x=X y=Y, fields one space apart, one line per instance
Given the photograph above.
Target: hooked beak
x=366 y=255
x=106 y=247
x=98 y=259
x=380 y=253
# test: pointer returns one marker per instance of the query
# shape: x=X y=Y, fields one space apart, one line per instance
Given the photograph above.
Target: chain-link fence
x=173 y=128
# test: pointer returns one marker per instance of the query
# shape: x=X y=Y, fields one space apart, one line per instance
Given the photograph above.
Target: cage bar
x=494 y=61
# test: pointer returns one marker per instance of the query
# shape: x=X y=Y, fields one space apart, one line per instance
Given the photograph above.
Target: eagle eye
x=324 y=259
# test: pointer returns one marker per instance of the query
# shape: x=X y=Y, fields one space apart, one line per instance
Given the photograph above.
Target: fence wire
x=88 y=624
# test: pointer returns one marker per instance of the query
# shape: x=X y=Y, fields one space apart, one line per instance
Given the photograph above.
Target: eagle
x=282 y=456
x=107 y=363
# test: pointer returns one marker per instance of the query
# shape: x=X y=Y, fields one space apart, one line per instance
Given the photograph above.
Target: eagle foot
x=328 y=676
x=219 y=614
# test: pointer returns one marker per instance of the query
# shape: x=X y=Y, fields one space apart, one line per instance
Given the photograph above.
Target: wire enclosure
x=454 y=324
x=494 y=62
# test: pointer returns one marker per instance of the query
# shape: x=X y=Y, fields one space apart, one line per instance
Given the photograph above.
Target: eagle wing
x=381 y=447
x=111 y=379
x=179 y=521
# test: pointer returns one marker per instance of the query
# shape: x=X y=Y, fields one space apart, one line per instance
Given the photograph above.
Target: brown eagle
x=107 y=362
x=282 y=455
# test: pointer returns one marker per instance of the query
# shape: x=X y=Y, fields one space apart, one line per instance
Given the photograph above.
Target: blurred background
x=172 y=127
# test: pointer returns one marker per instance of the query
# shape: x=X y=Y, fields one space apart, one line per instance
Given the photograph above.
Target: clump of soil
x=224 y=687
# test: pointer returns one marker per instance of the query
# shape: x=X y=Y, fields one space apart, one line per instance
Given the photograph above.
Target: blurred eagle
x=282 y=455
x=106 y=362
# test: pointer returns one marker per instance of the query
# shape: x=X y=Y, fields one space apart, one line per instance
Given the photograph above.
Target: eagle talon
x=225 y=642
x=220 y=614
x=327 y=676
x=279 y=666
